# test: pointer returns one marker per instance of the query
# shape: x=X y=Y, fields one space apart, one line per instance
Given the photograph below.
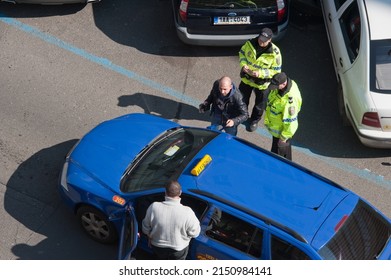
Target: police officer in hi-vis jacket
x=259 y=60
x=282 y=110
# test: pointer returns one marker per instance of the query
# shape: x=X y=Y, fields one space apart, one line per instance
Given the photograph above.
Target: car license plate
x=231 y=20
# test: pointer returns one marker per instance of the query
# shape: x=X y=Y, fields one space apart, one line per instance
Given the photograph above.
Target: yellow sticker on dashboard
x=201 y=165
x=171 y=151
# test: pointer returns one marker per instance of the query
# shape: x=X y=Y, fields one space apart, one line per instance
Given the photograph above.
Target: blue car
x=251 y=204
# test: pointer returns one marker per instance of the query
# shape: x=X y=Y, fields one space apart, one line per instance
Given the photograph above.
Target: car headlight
x=64 y=173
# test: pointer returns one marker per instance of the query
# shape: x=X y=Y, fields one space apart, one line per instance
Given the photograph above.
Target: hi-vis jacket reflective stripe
x=282 y=112
x=267 y=65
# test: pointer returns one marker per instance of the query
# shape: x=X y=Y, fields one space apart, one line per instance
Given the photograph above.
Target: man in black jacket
x=228 y=109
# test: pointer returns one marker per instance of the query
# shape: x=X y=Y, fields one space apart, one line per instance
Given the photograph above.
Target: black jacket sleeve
x=209 y=100
x=241 y=107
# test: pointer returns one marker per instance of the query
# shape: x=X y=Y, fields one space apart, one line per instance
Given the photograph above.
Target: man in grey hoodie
x=170 y=225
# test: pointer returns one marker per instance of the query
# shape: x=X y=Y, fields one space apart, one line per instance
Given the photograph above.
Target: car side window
x=282 y=250
x=339 y=3
x=235 y=233
x=351 y=30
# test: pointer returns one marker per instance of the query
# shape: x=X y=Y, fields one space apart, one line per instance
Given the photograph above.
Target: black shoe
x=253 y=126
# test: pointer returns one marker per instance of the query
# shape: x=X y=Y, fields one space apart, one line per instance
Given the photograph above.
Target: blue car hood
x=107 y=150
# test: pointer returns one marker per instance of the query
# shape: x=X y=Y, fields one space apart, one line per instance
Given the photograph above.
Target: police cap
x=277 y=80
x=266 y=34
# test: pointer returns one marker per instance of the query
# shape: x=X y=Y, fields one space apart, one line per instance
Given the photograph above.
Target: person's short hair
x=173 y=189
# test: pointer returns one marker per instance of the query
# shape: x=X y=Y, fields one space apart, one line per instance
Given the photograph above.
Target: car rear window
x=381 y=66
x=362 y=237
x=230 y=4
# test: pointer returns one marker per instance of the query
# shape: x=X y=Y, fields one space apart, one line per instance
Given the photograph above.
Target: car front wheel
x=96 y=224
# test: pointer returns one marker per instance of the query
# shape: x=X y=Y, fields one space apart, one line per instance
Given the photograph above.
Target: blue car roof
x=265 y=184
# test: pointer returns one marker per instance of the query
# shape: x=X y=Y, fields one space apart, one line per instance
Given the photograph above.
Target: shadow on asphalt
x=32 y=199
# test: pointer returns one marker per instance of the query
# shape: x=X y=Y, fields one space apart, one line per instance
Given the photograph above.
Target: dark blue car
x=251 y=204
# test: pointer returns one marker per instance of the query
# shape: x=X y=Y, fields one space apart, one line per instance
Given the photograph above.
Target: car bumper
x=222 y=40
x=372 y=139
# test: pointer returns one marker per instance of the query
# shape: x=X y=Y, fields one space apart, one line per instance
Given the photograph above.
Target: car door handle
x=341 y=61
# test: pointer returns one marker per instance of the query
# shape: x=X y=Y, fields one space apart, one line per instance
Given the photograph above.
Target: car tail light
x=371 y=119
x=183 y=9
x=341 y=222
x=281 y=9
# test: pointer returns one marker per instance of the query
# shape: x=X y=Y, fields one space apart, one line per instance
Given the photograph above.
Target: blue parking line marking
x=96 y=59
x=365 y=174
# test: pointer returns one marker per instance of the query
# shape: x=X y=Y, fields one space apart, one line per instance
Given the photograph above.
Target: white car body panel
x=354 y=74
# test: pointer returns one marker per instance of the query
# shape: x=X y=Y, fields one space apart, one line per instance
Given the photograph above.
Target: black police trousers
x=282 y=149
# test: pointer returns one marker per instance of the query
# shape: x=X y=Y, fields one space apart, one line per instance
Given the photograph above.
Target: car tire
x=341 y=106
x=96 y=225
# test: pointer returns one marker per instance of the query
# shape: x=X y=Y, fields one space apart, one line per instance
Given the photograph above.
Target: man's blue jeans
x=217 y=121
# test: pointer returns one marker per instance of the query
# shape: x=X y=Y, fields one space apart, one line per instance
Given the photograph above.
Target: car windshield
x=363 y=236
x=165 y=158
x=381 y=66
x=232 y=4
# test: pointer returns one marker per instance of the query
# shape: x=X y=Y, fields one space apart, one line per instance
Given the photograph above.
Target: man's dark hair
x=173 y=189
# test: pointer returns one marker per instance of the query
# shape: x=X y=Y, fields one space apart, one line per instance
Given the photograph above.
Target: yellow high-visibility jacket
x=268 y=64
x=281 y=117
